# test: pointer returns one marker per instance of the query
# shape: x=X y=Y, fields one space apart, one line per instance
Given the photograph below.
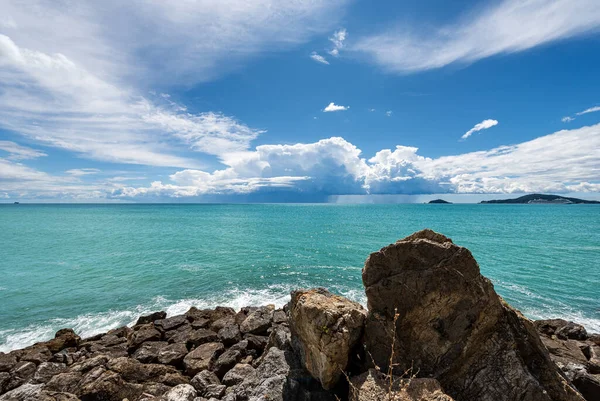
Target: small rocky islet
x=434 y=330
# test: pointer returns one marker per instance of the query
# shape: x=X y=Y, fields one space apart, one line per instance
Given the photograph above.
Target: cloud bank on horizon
x=87 y=110
x=335 y=166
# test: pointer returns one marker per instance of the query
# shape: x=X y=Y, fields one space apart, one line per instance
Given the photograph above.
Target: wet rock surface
x=449 y=336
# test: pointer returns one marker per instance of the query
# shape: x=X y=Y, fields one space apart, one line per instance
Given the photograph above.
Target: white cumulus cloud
x=334 y=107
x=485 y=124
x=334 y=166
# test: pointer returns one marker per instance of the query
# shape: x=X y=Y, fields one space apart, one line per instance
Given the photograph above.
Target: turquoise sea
x=96 y=267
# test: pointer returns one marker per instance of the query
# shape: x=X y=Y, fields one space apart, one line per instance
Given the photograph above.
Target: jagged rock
x=172 y=354
x=37 y=354
x=564 y=351
x=136 y=372
x=325 y=328
x=549 y=326
x=148 y=351
x=226 y=361
x=230 y=335
x=21 y=373
x=201 y=336
x=47 y=370
x=279 y=316
x=7 y=361
x=146 y=332
x=109 y=386
x=453 y=326
x=372 y=385
x=4 y=380
x=257 y=343
x=588 y=385
x=64 y=382
x=202 y=358
x=89 y=364
x=258 y=321
x=594 y=359
x=182 y=392
x=180 y=334
x=26 y=392
x=151 y=318
x=207 y=385
x=237 y=374
x=572 y=331
x=64 y=356
x=222 y=322
x=280 y=337
x=170 y=323
x=64 y=338
x=212 y=315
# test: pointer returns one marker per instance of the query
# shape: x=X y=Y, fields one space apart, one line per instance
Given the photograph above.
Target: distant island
x=543 y=199
x=439 y=201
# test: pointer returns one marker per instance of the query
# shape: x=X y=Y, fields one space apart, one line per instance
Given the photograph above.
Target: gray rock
x=230 y=335
x=258 y=321
x=65 y=382
x=237 y=374
x=202 y=358
x=201 y=336
x=172 y=354
x=146 y=332
x=47 y=370
x=572 y=331
x=182 y=392
x=20 y=374
x=170 y=323
x=26 y=392
x=7 y=362
x=148 y=351
x=226 y=361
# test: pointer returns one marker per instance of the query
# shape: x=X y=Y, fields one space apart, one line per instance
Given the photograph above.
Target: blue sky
x=297 y=101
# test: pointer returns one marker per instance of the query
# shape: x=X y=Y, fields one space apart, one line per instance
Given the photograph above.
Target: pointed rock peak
x=427 y=234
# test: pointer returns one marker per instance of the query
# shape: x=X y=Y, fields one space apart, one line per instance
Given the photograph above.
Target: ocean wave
x=91 y=324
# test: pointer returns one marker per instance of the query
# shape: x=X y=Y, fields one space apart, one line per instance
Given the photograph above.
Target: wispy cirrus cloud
x=485 y=124
x=334 y=107
x=84 y=89
x=568 y=119
x=19 y=152
x=509 y=26
x=590 y=110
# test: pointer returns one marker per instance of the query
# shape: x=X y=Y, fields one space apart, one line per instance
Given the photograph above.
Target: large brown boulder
x=325 y=329
x=452 y=325
x=373 y=385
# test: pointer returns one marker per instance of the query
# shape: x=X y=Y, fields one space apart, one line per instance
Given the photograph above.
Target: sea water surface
x=97 y=267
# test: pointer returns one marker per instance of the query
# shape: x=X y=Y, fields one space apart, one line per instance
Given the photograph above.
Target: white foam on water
x=91 y=324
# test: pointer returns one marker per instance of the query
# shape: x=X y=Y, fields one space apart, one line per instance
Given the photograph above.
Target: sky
x=297 y=101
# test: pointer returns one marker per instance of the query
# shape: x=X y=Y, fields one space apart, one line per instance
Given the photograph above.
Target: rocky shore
x=434 y=329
